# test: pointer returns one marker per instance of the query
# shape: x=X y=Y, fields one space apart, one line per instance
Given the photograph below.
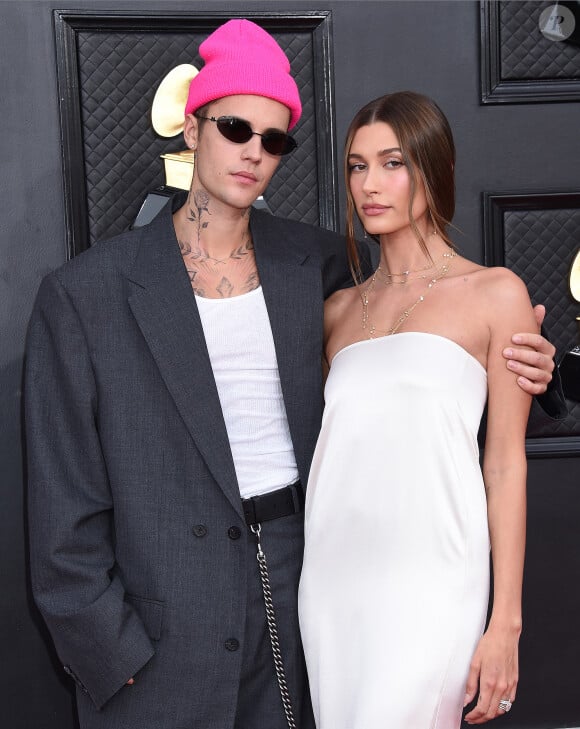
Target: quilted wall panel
x=109 y=67
x=119 y=74
x=539 y=246
x=530 y=51
x=526 y=53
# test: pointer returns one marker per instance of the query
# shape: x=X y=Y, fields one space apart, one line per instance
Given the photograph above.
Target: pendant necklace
x=405 y=276
x=372 y=329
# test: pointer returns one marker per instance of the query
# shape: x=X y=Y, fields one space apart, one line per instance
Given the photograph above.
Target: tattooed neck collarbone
x=230 y=272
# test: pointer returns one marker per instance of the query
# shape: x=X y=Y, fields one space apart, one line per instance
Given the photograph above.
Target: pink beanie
x=241 y=58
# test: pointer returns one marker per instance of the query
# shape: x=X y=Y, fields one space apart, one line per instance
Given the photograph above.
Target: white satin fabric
x=394 y=587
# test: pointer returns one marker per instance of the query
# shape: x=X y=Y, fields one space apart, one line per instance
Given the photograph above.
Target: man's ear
x=190 y=131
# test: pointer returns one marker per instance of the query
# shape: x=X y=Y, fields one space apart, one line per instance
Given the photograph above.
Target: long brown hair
x=428 y=150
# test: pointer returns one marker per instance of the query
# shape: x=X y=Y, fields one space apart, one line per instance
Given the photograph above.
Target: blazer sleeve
x=336 y=271
x=98 y=636
x=553 y=402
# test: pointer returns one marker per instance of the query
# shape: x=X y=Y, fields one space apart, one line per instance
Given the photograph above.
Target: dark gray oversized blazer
x=128 y=451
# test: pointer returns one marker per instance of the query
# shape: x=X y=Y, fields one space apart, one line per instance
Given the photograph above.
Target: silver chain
x=273 y=630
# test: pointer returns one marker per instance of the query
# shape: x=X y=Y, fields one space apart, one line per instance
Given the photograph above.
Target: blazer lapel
x=292 y=288
x=164 y=306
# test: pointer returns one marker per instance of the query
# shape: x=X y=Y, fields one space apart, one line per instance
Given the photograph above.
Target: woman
x=399 y=517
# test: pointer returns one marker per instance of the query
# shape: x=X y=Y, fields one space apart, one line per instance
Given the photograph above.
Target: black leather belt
x=275 y=504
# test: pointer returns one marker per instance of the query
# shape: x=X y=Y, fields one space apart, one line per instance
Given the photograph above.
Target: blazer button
x=232 y=644
x=234 y=532
x=199 y=530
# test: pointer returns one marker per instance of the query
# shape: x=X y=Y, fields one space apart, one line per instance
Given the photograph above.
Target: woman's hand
x=494 y=668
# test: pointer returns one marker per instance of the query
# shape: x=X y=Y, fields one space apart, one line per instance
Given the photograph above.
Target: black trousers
x=259 y=702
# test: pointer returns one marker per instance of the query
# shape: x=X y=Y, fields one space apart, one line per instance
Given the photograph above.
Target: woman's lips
x=374 y=209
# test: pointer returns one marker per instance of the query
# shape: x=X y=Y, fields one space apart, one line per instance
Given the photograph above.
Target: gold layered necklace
x=405 y=276
x=440 y=272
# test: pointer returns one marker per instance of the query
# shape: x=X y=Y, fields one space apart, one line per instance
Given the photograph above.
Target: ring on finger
x=505 y=705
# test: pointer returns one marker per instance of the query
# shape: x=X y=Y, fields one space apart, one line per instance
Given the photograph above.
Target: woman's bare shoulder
x=500 y=283
x=491 y=281
x=504 y=300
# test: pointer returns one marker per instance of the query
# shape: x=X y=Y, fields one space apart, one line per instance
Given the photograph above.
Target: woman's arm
x=494 y=667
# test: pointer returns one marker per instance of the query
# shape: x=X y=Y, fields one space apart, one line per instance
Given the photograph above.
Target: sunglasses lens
x=235 y=130
x=239 y=131
x=278 y=143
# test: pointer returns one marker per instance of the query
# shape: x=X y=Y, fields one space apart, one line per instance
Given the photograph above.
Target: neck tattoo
x=228 y=275
x=196 y=255
x=200 y=203
x=198 y=213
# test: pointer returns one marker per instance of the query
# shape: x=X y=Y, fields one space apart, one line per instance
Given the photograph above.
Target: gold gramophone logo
x=167 y=118
x=570 y=364
x=574 y=279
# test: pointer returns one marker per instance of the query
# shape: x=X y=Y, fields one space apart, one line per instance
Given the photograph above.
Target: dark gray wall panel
x=32 y=694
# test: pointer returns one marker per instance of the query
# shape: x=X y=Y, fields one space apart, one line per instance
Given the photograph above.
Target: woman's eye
x=394 y=164
x=356 y=167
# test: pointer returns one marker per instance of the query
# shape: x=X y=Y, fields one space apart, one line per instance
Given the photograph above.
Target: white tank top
x=241 y=349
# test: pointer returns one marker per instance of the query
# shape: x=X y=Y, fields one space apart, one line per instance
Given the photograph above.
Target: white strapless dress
x=394 y=588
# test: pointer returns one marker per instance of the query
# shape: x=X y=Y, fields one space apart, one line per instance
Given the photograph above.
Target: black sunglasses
x=239 y=131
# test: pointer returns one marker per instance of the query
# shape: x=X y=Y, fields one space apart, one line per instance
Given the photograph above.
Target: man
x=173 y=400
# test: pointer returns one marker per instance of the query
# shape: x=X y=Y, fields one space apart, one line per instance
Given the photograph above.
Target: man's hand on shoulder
x=533 y=359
